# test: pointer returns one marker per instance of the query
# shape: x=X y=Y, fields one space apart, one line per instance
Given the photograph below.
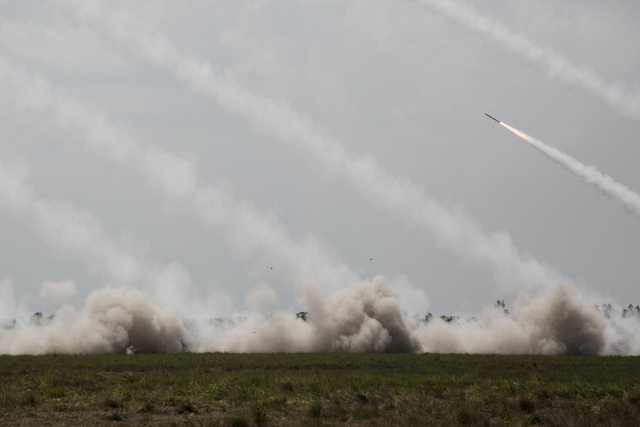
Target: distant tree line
x=609 y=309
x=39 y=319
x=500 y=304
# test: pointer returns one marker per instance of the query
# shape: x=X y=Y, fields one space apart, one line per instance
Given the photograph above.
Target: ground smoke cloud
x=368 y=318
x=364 y=317
x=556 y=321
x=114 y=320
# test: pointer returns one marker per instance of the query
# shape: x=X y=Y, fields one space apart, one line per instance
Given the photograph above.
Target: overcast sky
x=223 y=143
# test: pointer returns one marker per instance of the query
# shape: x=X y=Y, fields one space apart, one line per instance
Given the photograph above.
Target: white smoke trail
x=452 y=231
x=113 y=319
x=628 y=199
x=248 y=230
x=62 y=46
x=614 y=95
x=79 y=234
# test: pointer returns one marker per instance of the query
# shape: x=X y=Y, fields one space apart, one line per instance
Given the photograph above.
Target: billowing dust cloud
x=368 y=318
x=114 y=320
x=365 y=317
x=556 y=321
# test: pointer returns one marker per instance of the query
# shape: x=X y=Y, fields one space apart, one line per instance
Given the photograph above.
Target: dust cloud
x=364 y=317
x=113 y=320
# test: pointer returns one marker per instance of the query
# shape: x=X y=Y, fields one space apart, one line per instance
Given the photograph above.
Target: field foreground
x=318 y=389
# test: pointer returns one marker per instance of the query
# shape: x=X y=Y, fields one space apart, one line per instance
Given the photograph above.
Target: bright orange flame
x=519 y=134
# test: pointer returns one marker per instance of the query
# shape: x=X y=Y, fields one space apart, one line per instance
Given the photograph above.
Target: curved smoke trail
x=625 y=197
x=452 y=231
x=614 y=95
x=248 y=231
x=79 y=234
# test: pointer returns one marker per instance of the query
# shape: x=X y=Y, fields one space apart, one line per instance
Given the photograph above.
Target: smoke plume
x=363 y=317
x=614 y=95
x=78 y=234
x=556 y=321
x=628 y=199
x=452 y=231
x=248 y=231
x=114 y=320
x=367 y=317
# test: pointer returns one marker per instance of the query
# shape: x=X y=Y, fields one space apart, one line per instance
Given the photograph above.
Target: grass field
x=318 y=389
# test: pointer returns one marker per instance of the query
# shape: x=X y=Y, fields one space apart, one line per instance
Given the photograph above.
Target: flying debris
x=491 y=117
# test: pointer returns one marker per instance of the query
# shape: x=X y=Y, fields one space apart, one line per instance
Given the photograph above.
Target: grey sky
x=396 y=81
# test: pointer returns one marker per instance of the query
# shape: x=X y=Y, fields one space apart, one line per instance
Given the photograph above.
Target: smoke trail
x=614 y=95
x=114 y=320
x=248 y=231
x=628 y=199
x=452 y=231
x=79 y=234
x=62 y=47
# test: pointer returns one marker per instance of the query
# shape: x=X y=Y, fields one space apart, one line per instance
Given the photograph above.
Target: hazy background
x=395 y=80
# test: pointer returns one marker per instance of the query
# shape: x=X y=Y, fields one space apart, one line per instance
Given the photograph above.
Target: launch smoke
x=363 y=317
x=68 y=230
x=628 y=199
x=614 y=95
x=114 y=320
x=249 y=232
x=452 y=231
x=78 y=234
x=367 y=317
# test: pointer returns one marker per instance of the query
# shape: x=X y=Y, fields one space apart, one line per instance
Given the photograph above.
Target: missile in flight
x=491 y=117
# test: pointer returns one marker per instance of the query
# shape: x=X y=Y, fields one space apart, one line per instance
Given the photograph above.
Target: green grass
x=319 y=389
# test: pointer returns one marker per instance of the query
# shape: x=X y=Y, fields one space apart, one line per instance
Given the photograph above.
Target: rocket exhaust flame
x=620 y=194
x=519 y=134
